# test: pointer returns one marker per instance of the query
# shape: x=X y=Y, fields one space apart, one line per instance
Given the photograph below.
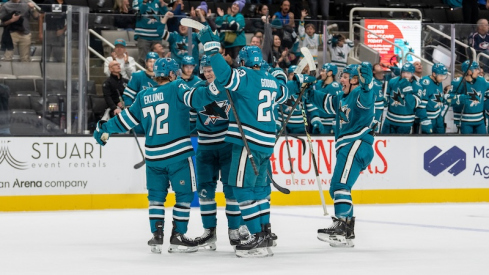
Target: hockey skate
x=208 y=239
x=234 y=238
x=157 y=241
x=179 y=243
x=339 y=234
x=254 y=247
x=271 y=238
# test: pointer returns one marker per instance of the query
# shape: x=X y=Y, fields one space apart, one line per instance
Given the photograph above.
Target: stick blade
x=310 y=59
x=191 y=23
x=140 y=164
x=301 y=66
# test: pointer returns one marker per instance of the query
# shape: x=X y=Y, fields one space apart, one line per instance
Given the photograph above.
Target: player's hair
x=373 y=67
x=153 y=47
x=310 y=25
x=160 y=79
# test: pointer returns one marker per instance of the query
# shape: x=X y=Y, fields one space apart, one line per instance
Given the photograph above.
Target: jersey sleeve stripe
x=123 y=122
x=132 y=117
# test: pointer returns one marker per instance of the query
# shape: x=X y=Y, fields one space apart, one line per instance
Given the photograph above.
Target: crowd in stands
x=156 y=27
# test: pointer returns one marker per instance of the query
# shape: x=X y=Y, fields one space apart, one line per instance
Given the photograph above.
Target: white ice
x=390 y=239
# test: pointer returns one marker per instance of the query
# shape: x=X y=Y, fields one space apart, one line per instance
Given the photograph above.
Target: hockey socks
x=208 y=211
x=233 y=214
x=181 y=216
x=156 y=214
x=251 y=215
x=264 y=206
x=343 y=205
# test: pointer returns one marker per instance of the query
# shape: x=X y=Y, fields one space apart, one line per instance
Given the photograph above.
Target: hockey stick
x=292 y=173
x=300 y=67
x=310 y=59
x=241 y=132
x=139 y=164
x=301 y=140
x=191 y=23
x=318 y=180
x=303 y=89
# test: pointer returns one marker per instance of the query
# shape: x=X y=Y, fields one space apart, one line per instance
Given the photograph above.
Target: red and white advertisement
x=405 y=34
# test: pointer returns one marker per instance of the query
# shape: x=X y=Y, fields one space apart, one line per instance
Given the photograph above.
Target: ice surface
x=391 y=239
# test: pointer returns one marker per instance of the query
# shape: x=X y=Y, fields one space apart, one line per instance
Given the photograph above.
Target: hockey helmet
x=163 y=67
x=251 y=56
x=439 y=69
x=291 y=69
x=188 y=60
x=330 y=67
x=205 y=61
x=352 y=70
x=465 y=66
x=408 y=68
x=152 y=55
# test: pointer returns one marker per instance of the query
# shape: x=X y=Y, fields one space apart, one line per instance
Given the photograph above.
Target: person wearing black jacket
x=113 y=88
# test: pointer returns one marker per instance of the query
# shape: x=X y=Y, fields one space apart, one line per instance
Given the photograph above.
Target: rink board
x=63 y=173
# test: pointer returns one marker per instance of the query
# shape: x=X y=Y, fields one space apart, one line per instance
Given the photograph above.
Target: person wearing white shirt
x=119 y=54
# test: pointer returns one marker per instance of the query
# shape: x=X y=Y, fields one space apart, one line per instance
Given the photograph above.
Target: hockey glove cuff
x=211 y=48
x=100 y=134
x=426 y=127
x=207 y=35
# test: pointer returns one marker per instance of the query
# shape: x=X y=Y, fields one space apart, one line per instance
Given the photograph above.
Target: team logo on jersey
x=483 y=45
x=147 y=87
x=217 y=110
x=437 y=99
x=152 y=16
x=341 y=54
x=435 y=162
x=182 y=47
x=398 y=98
x=426 y=82
x=475 y=97
x=344 y=114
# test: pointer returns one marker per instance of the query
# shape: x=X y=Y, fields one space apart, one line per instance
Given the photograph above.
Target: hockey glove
x=317 y=127
x=366 y=75
x=405 y=86
x=99 y=134
x=426 y=127
x=304 y=79
x=279 y=74
x=210 y=40
x=395 y=70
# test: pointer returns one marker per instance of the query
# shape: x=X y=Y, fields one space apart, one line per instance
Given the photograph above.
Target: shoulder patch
x=336 y=85
x=241 y=72
x=426 y=82
x=213 y=88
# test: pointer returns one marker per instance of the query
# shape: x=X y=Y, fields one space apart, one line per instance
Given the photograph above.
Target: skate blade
x=274 y=243
x=208 y=246
x=337 y=241
x=156 y=249
x=174 y=248
x=252 y=253
x=270 y=252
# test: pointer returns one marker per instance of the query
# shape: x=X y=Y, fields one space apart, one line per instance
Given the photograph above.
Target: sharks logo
x=217 y=110
x=398 y=98
x=152 y=16
x=474 y=97
x=182 y=46
x=344 y=114
x=341 y=54
x=438 y=99
x=147 y=87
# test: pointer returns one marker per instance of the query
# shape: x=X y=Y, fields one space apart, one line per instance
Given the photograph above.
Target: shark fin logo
x=6 y=156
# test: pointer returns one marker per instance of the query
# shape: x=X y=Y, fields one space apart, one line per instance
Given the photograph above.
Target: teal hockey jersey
x=434 y=93
x=333 y=89
x=254 y=93
x=469 y=102
x=139 y=81
x=148 y=19
x=403 y=105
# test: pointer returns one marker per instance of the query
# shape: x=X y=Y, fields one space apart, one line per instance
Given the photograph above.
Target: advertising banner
x=406 y=34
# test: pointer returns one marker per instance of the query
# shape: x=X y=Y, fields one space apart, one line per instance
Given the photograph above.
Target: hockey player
x=328 y=85
x=213 y=159
x=140 y=80
x=187 y=74
x=436 y=109
x=339 y=47
x=296 y=122
x=468 y=100
x=254 y=93
x=378 y=90
x=404 y=95
x=290 y=72
x=163 y=113
x=354 y=110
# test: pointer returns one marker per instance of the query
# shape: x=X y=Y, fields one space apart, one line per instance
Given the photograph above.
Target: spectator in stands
x=178 y=13
x=19 y=26
x=418 y=70
x=260 y=18
x=202 y=14
x=232 y=28
x=53 y=12
x=480 y=40
x=119 y=54
x=284 y=14
x=179 y=44
x=314 y=7
x=339 y=48
x=125 y=18
x=4 y=110
x=160 y=50
x=309 y=38
x=147 y=24
x=113 y=88
x=280 y=53
x=256 y=41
